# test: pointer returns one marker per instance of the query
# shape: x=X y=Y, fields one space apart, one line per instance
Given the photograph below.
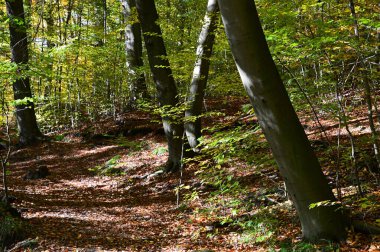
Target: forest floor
x=77 y=209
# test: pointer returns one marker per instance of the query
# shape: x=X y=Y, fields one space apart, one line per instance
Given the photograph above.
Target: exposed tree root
x=365 y=228
x=24 y=245
x=172 y=166
x=29 y=141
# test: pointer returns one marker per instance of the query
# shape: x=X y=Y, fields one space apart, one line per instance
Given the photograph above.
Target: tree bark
x=200 y=75
x=25 y=114
x=49 y=19
x=70 y=7
x=297 y=162
x=353 y=13
x=163 y=78
x=133 y=48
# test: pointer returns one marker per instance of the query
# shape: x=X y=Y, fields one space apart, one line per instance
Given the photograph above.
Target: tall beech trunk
x=25 y=114
x=163 y=77
x=200 y=74
x=297 y=162
x=133 y=48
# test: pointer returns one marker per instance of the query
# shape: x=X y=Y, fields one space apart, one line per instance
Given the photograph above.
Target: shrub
x=11 y=227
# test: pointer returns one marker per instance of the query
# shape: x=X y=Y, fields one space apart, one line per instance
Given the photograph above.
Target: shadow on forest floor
x=75 y=209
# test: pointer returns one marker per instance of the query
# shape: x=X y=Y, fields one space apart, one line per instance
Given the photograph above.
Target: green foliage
x=247 y=109
x=324 y=203
x=172 y=113
x=11 y=228
x=222 y=153
x=109 y=168
x=26 y=101
x=312 y=41
x=159 y=151
x=307 y=247
x=59 y=137
x=79 y=73
x=133 y=146
x=368 y=203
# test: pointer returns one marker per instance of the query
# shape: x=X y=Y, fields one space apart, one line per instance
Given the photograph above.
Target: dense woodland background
x=87 y=92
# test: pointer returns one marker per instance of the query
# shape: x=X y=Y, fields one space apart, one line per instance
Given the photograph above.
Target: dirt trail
x=74 y=209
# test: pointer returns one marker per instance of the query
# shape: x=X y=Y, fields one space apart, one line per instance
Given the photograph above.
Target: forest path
x=74 y=209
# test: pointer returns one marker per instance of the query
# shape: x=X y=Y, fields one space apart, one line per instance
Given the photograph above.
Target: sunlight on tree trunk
x=200 y=74
x=25 y=115
x=133 y=48
x=163 y=77
x=297 y=162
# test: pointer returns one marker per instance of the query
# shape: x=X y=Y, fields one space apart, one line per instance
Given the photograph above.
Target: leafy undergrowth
x=11 y=226
x=99 y=195
x=242 y=198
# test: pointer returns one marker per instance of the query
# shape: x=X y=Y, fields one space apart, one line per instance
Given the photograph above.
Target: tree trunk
x=163 y=77
x=105 y=13
x=70 y=7
x=200 y=74
x=367 y=90
x=49 y=19
x=25 y=115
x=353 y=13
x=297 y=162
x=133 y=48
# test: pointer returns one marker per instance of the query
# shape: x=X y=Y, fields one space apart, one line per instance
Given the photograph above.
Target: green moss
x=11 y=227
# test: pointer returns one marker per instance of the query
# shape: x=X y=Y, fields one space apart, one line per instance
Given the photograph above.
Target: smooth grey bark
x=200 y=75
x=25 y=114
x=163 y=78
x=133 y=48
x=297 y=162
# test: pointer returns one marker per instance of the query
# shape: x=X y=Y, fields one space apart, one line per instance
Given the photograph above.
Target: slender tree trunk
x=343 y=119
x=200 y=74
x=49 y=31
x=25 y=114
x=297 y=162
x=133 y=48
x=58 y=3
x=70 y=7
x=105 y=13
x=367 y=90
x=374 y=134
x=180 y=5
x=163 y=77
x=353 y=13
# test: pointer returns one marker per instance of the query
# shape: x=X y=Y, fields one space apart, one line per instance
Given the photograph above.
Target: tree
x=133 y=48
x=200 y=74
x=297 y=162
x=25 y=115
x=163 y=78
x=367 y=89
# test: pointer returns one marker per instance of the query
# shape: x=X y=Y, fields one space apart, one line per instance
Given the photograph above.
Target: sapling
x=4 y=158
